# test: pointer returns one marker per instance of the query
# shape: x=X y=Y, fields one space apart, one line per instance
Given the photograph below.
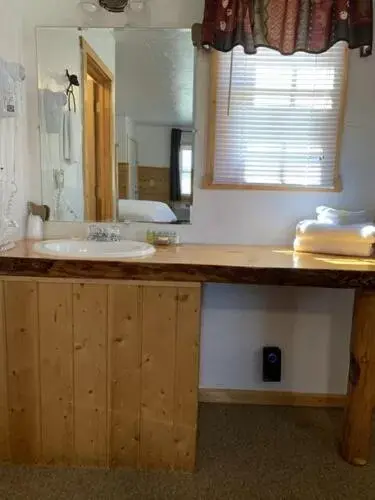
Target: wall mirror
x=117 y=123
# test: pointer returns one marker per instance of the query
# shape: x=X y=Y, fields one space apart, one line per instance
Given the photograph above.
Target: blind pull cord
x=230 y=84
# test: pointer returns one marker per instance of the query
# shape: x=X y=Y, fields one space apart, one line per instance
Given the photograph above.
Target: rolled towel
x=319 y=230
x=343 y=217
x=334 y=247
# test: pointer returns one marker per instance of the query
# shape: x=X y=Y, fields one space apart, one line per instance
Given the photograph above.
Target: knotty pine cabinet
x=97 y=373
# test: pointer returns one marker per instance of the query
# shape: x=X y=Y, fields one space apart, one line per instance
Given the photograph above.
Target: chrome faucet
x=104 y=233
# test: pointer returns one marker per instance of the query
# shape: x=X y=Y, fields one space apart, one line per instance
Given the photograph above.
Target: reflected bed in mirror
x=117 y=123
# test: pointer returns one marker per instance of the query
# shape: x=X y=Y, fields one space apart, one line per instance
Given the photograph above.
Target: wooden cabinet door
x=99 y=373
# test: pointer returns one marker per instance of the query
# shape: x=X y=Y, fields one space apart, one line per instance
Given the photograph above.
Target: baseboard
x=275 y=398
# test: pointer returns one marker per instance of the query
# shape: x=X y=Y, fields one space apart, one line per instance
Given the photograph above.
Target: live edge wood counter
x=202 y=264
x=157 y=421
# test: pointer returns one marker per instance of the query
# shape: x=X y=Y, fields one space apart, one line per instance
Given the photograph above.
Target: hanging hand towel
x=71 y=137
x=53 y=104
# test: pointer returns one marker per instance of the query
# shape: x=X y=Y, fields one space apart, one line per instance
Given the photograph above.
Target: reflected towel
x=53 y=110
x=145 y=211
x=342 y=217
x=324 y=231
x=71 y=137
x=334 y=247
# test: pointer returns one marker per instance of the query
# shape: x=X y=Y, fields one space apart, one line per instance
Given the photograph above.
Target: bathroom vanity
x=99 y=372
x=100 y=358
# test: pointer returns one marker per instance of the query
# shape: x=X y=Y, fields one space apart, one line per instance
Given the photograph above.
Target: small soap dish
x=163 y=238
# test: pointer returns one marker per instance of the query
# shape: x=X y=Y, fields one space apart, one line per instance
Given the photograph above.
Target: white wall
x=11 y=49
x=154 y=145
x=125 y=129
x=312 y=327
x=314 y=324
x=104 y=44
x=155 y=76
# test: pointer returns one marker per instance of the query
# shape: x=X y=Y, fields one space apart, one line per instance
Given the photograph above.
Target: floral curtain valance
x=286 y=25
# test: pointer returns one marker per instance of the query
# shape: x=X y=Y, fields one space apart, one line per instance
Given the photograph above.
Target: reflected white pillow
x=145 y=211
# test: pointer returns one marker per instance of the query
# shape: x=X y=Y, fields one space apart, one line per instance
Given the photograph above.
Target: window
x=186 y=164
x=275 y=121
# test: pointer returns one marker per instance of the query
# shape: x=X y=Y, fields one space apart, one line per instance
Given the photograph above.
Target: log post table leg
x=356 y=439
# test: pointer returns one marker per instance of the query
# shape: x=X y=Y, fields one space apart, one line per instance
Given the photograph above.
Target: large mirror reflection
x=117 y=124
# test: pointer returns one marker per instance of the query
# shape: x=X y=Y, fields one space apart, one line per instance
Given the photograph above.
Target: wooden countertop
x=202 y=263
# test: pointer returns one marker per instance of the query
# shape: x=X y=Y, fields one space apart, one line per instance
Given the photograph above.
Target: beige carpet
x=245 y=453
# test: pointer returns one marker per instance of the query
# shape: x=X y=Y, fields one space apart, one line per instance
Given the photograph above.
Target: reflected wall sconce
x=114 y=6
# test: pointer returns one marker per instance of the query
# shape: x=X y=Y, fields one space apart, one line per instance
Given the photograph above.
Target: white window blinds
x=278 y=118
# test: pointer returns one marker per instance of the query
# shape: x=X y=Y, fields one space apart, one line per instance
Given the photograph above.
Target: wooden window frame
x=208 y=176
x=92 y=65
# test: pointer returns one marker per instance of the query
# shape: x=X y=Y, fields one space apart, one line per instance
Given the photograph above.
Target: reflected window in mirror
x=186 y=165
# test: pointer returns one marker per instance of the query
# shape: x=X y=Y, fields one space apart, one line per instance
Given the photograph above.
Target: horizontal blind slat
x=283 y=117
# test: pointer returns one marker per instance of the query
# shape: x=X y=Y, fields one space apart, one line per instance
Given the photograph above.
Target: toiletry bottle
x=34 y=227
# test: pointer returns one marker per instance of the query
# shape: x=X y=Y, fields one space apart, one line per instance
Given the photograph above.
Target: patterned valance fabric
x=114 y=5
x=287 y=25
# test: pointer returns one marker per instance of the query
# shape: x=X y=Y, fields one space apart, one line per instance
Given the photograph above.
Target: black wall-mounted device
x=271 y=364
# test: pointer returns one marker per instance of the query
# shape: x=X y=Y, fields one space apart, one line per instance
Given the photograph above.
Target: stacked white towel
x=342 y=217
x=337 y=232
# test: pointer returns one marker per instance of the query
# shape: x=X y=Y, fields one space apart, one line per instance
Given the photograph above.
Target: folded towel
x=343 y=217
x=334 y=247
x=322 y=231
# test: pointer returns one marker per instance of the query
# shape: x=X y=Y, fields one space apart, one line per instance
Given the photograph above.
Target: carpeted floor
x=244 y=453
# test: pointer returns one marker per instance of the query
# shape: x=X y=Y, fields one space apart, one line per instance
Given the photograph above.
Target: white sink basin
x=101 y=250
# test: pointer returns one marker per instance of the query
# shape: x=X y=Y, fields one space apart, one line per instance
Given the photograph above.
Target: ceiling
x=155 y=75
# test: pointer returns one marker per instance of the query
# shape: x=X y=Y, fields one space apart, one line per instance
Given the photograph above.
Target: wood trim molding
x=88 y=281
x=341 y=122
x=271 y=398
x=208 y=176
x=99 y=69
x=102 y=194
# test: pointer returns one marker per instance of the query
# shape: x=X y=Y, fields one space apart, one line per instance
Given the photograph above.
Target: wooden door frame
x=92 y=65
